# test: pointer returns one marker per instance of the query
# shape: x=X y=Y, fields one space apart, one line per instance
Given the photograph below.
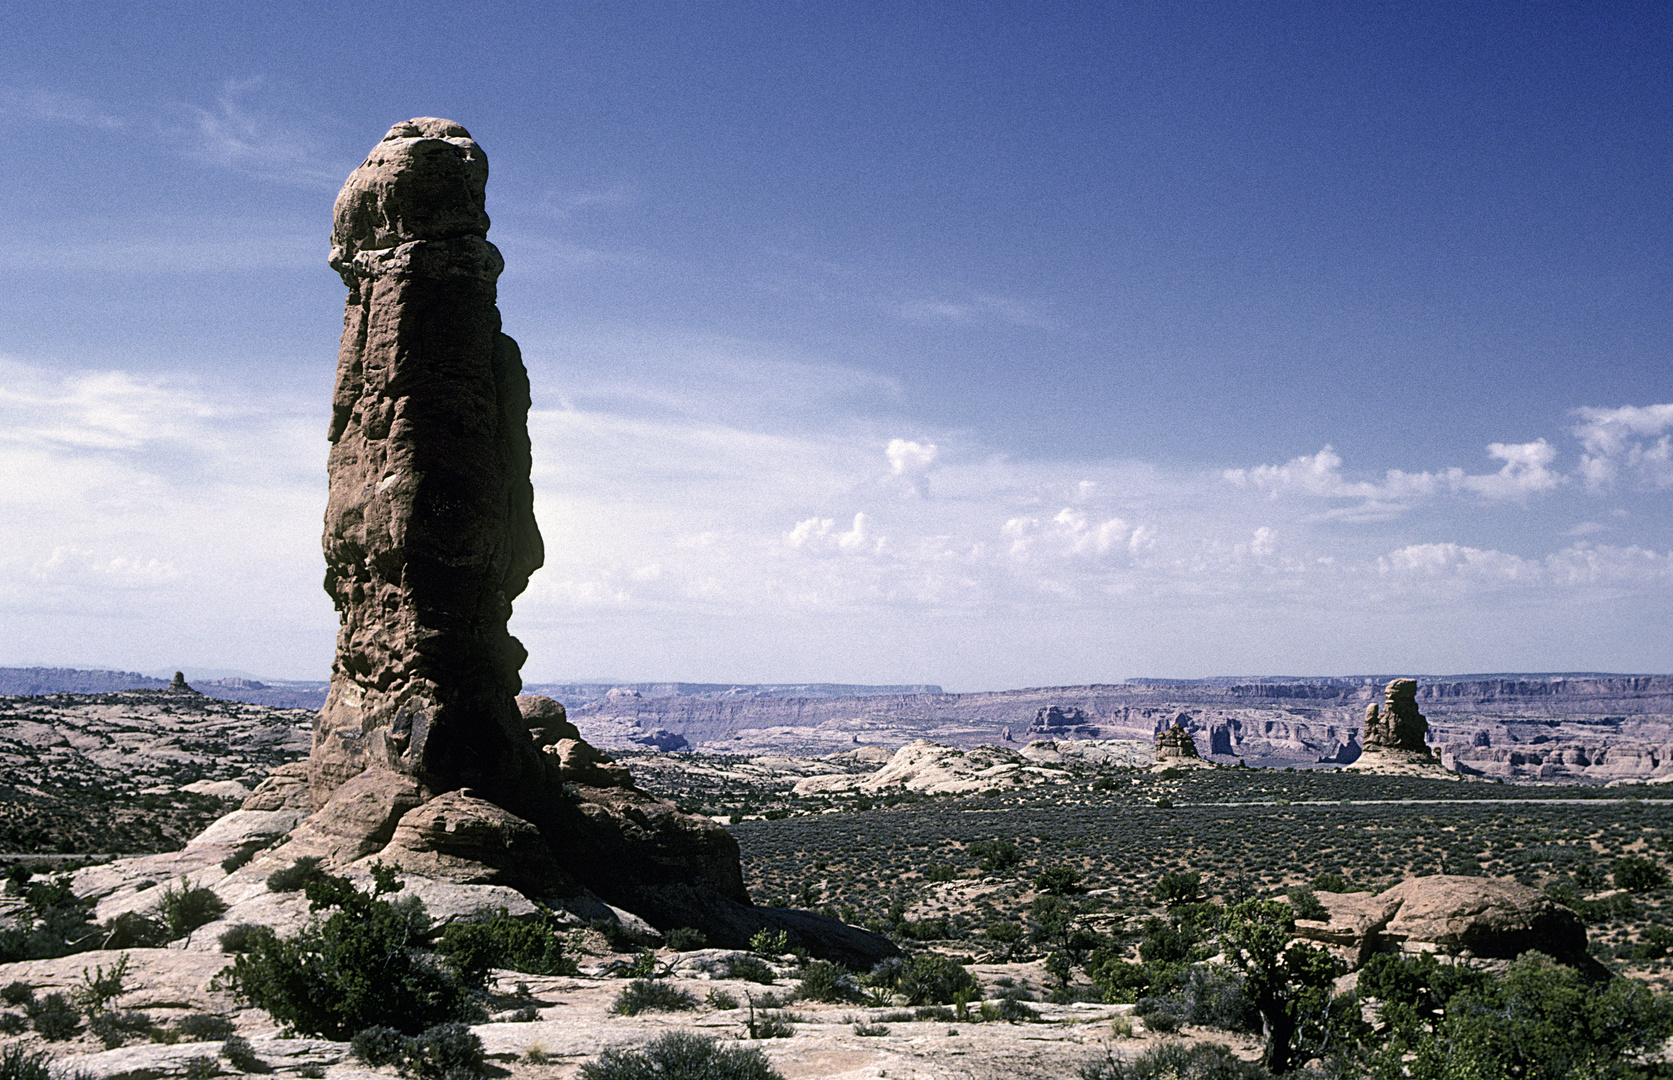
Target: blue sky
x=983 y=344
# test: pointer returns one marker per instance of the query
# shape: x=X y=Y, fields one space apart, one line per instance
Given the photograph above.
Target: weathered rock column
x=429 y=531
x=1397 y=727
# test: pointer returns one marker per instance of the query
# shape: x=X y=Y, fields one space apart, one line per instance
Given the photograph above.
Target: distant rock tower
x=1175 y=743
x=429 y=529
x=1396 y=727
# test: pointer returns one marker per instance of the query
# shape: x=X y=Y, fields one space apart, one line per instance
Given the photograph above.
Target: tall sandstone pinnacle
x=430 y=530
x=422 y=756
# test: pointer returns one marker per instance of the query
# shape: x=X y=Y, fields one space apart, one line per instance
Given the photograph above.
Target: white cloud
x=911 y=461
x=147 y=508
x=261 y=141
x=1525 y=472
x=1631 y=438
x=57 y=107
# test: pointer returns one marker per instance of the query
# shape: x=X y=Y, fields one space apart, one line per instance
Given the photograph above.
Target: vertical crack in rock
x=430 y=530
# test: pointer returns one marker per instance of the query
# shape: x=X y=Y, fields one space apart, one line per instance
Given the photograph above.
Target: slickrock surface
x=931 y=769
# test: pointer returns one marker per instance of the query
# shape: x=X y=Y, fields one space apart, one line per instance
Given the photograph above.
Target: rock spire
x=429 y=529
x=1397 y=726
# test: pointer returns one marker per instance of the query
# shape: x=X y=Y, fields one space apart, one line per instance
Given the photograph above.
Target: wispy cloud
x=57 y=108
x=239 y=134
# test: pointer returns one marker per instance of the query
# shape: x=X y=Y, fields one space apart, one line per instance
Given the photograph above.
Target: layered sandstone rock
x=1176 y=744
x=1397 y=726
x=429 y=529
x=1482 y=918
x=423 y=756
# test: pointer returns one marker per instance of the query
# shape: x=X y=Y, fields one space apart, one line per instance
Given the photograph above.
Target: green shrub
x=1307 y=904
x=771 y=1024
x=238 y=858
x=356 y=968
x=202 y=1027
x=100 y=987
x=652 y=995
x=680 y=1055
x=1175 y=889
x=183 y=908
x=13 y=1024
x=378 y=1046
x=995 y=856
x=236 y=938
x=202 y=1068
x=113 y=1027
x=941 y=872
x=54 y=1018
x=933 y=979
x=18 y=1064
x=1637 y=874
x=868 y=1030
x=720 y=999
x=1332 y=881
x=1059 y=881
x=827 y=982
x=535 y=947
x=132 y=930
x=749 y=968
x=241 y=1055
x=17 y=992
x=686 y=939
x=620 y=938
x=295 y=876
x=770 y=942
x=443 y=1052
x=1175 y=1061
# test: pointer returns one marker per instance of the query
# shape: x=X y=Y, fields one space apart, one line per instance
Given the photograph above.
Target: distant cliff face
x=1608 y=727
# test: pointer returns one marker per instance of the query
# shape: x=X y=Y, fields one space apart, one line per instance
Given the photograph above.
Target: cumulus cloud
x=1526 y=471
x=1633 y=439
x=819 y=534
x=911 y=461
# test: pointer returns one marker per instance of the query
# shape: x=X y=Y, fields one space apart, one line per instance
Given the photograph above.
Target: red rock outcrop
x=429 y=529
x=423 y=755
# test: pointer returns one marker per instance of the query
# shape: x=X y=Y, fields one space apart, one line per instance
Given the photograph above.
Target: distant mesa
x=1063 y=722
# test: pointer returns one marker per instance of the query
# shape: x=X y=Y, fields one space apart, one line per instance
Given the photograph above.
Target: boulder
x=359 y=818
x=579 y=762
x=547 y=719
x=459 y=838
x=286 y=788
x=1486 y=918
